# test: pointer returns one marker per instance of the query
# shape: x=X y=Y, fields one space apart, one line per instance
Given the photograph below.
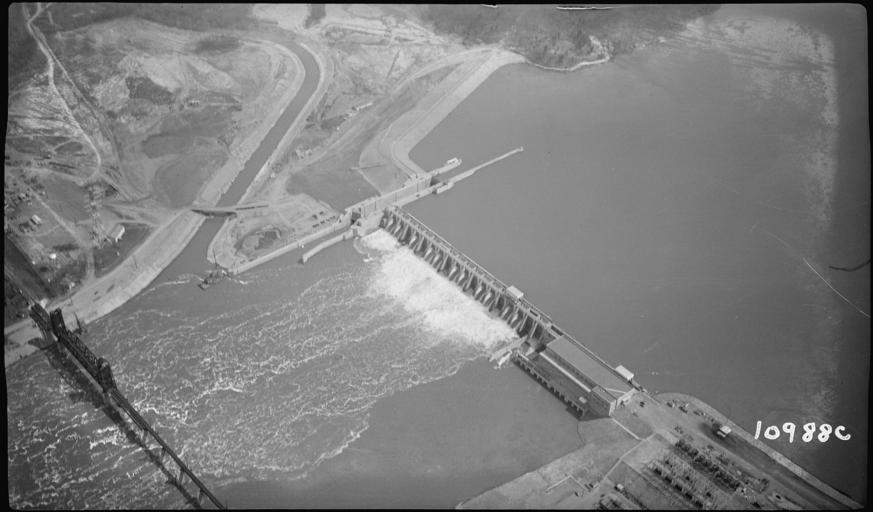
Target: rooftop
x=573 y=354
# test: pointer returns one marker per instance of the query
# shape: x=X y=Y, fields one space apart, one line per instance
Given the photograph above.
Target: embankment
x=400 y=138
x=101 y=296
x=221 y=247
x=134 y=274
x=240 y=267
x=418 y=122
x=325 y=244
x=221 y=181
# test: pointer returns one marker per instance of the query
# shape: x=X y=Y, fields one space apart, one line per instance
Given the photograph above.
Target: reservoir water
x=668 y=206
x=667 y=210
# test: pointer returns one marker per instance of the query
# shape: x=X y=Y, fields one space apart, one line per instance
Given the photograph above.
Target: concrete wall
x=324 y=245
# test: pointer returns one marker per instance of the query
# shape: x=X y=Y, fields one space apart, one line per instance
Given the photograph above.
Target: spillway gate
x=504 y=301
x=100 y=370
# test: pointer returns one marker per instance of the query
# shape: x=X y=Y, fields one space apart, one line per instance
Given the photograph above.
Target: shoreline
x=414 y=125
x=583 y=64
x=168 y=240
x=220 y=250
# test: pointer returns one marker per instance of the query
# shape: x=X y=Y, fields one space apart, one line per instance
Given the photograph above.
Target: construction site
x=122 y=127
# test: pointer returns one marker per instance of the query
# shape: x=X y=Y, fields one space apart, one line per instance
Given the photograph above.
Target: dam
x=588 y=384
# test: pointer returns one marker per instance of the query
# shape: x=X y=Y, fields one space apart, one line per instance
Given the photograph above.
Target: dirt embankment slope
x=371 y=60
x=184 y=110
x=177 y=100
x=136 y=119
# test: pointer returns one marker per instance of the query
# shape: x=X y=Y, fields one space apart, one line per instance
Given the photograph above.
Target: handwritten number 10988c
x=809 y=432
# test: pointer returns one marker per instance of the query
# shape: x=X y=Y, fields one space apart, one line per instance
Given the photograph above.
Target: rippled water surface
x=257 y=391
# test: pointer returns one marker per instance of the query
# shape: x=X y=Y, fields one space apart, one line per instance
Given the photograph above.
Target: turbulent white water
x=445 y=310
x=263 y=391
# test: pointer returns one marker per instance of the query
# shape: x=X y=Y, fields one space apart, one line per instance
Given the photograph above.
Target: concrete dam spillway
x=528 y=323
x=565 y=366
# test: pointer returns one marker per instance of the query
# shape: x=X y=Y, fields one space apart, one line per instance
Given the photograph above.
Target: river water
x=664 y=212
x=666 y=206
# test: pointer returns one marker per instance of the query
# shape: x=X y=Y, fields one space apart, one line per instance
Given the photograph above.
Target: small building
x=36 y=220
x=722 y=431
x=515 y=292
x=117 y=232
x=625 y=373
